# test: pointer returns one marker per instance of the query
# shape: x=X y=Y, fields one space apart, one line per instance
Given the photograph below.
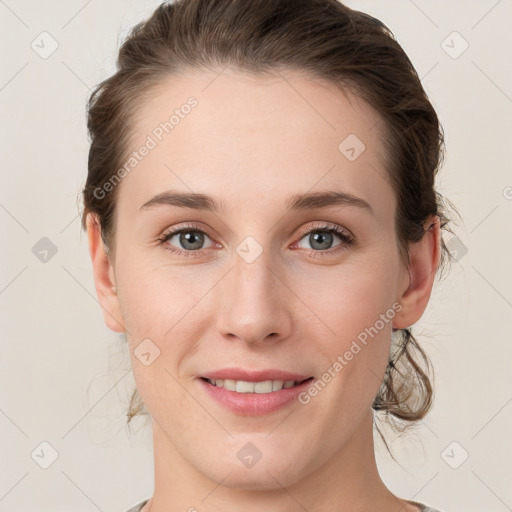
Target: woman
x=263 y=225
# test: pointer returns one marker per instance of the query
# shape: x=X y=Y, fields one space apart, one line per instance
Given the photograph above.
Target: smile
x=242 y=386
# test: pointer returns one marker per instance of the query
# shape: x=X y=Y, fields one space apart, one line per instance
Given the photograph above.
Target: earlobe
x=103 y=273
x=424 y=259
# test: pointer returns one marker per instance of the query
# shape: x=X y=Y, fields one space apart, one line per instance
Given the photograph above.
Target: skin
x=251 y=143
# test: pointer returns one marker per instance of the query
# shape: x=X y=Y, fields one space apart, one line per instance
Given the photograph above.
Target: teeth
x=242 y=386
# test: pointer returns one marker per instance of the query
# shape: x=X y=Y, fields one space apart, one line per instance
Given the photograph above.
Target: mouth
x=258 y=387
x=249 y=392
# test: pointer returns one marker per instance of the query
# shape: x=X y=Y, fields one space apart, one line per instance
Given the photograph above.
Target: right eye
x=190 y=237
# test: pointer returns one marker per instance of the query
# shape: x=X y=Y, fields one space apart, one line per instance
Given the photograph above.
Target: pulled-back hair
x=323 y=39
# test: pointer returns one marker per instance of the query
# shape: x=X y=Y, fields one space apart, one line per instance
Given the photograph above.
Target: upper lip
x=254 y=375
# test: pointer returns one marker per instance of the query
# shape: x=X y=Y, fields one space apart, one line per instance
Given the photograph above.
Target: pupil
x=191 y=237
x=320 y=238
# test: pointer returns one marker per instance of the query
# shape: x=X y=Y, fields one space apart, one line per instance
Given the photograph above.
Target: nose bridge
x=252 y=302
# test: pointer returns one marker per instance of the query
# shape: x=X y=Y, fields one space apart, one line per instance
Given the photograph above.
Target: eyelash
x=347 y=240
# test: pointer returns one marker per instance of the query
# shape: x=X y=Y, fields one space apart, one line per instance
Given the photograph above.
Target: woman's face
x=259 y=283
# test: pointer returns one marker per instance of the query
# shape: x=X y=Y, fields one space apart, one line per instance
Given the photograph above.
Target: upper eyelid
x=193 y=227
x=325 y=225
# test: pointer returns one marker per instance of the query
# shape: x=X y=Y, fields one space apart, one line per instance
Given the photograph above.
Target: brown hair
x=323 y=39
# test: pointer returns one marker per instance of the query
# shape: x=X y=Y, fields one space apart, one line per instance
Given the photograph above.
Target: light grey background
x=65 y=378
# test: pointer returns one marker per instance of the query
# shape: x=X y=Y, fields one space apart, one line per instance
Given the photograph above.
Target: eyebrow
x=306 y=201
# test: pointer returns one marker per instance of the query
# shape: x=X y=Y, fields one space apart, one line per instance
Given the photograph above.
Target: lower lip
x=254 y=404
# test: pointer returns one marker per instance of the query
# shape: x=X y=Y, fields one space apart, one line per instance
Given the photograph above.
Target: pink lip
x=254 y=404
x=254 y=375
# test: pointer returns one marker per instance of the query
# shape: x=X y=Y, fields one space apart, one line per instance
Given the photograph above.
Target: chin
x=271 y=474
x=261 y=481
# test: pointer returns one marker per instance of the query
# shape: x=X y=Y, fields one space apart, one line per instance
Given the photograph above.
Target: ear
x=424 y=260
x=104 y=279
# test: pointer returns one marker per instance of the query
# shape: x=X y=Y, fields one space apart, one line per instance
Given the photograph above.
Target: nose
x=254 y=303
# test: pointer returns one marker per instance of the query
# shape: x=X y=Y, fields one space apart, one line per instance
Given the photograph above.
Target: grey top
x=423 y=508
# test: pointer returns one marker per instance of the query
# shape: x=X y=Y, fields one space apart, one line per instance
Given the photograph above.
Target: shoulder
x=138 y=507
x=423 y=507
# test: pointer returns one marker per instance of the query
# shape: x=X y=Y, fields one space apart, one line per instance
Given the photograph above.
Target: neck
x=348 y=482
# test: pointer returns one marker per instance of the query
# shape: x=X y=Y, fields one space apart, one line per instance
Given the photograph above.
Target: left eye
x=322 y=239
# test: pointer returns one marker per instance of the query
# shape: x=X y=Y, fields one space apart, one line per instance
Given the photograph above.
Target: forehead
x=237 y=136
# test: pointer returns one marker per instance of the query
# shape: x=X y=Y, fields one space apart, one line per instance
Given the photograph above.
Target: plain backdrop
x=65 y=378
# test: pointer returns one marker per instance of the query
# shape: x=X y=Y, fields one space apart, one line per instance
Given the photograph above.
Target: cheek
x=354 y=304
x=154 y=295
x=167 y=305
x=334 y=304
x=156 y=303
x=348 y=299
